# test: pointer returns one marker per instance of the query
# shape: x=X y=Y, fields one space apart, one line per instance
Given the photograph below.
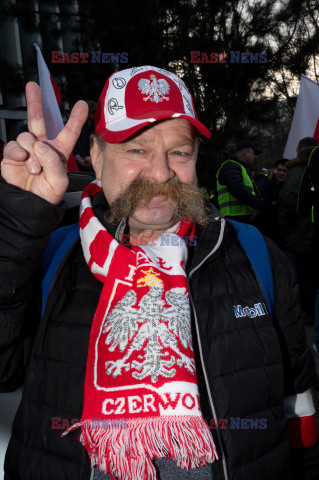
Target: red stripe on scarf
x=85 y=218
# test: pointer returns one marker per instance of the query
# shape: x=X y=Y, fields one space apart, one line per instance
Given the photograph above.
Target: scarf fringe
x=128 y=452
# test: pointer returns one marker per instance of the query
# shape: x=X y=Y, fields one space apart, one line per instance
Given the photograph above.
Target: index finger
x=36 y=123
x=69 y=135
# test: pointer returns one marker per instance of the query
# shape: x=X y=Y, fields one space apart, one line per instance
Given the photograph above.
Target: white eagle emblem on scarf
x=154 y=89
x=129 y=328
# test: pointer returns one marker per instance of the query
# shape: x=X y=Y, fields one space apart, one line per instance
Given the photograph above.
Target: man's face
x=281 y=172
x=247 y=155
x=165 y=150
x=250 y=156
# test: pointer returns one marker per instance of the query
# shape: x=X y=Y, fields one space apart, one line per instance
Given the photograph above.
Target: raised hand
x=36 y=164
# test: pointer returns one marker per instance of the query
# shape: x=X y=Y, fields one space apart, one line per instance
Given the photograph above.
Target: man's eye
x=177 y=152
x=136 y=150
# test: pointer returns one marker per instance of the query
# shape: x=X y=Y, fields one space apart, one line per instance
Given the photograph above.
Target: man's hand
x=36 y=164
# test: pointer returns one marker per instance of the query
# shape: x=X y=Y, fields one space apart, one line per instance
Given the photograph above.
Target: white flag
x=51 y=110
x=51 y=99
x=305 y=122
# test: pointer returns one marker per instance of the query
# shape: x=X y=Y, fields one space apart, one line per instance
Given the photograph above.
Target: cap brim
x=257 y=151
x=124 y=128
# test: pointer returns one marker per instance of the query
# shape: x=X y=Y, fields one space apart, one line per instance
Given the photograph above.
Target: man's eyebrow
x=182 y=143
x=136 y=141
x=143 y=142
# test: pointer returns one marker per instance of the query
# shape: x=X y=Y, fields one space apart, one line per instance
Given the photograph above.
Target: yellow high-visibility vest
x=229 y=205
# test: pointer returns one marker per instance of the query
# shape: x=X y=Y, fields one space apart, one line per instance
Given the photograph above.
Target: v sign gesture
x=33 y=162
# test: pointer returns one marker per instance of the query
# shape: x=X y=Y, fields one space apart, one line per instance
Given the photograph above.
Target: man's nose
x=159 y=169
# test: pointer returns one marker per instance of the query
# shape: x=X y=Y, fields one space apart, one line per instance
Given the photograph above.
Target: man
x=270 y=195
x=313 y=172
x=238 y=197
x=297 y=232
x=281 y=171
x=154 y=319
x=308 y=205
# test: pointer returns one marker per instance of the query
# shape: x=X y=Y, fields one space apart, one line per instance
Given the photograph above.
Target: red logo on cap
x=149 y=93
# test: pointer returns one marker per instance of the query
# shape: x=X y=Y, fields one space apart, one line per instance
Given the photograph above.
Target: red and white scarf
x=141 y=397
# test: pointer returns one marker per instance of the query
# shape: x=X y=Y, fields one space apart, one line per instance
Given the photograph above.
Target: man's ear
x=96 y=157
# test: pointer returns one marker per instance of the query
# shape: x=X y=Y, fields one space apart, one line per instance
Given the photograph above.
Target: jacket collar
x=100 y=208
x=232 y=156
x=207 y=238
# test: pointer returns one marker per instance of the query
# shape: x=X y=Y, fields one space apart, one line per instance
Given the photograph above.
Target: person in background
x=262 y=177
x=308 y=205
x=270 y=194
x=238 y=196
x=313 y=172
x=82 y=148
x=296 y=233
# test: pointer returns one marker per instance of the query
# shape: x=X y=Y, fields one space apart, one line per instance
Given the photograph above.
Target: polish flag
x=51 y=100
x=305 y=122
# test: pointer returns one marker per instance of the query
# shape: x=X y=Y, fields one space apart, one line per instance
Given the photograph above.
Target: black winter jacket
x=296 y=232
x=308 y=200
x=269 y=220
x=246 y=366
x=231 y=176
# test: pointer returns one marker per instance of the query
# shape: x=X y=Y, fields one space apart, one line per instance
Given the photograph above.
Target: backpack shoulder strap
x=60 y=242
x=255 y=247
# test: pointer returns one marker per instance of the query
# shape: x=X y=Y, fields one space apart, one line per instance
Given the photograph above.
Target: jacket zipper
x=212 y=406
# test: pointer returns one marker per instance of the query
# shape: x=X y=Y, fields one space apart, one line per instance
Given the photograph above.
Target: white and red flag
x=305 y=122
x=51 y=100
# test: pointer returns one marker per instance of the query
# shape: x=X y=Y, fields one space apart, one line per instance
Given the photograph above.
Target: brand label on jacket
x=256 y=311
